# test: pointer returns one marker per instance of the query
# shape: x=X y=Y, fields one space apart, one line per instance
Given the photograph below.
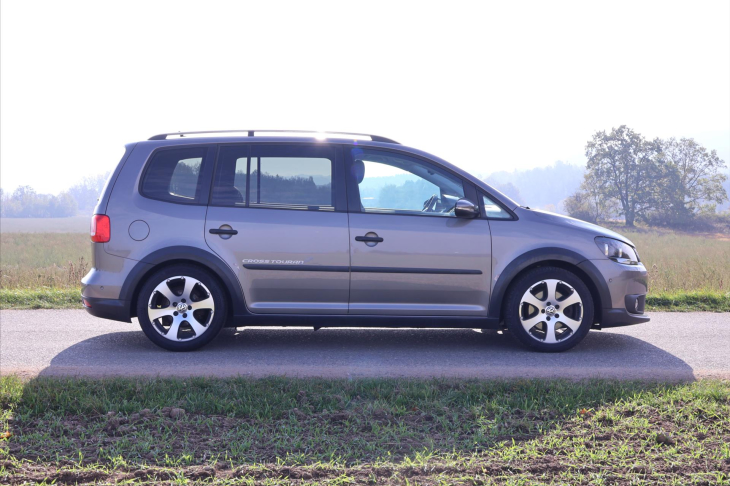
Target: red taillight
x=100 y=228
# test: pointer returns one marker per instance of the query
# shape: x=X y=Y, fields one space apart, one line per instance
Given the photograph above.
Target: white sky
x=487 y=86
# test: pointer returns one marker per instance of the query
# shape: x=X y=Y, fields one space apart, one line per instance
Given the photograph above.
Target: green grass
x=42 y=298
x=377 y=431
x=689 y=301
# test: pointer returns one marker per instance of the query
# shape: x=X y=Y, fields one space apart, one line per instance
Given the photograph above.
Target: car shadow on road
x=338 y=352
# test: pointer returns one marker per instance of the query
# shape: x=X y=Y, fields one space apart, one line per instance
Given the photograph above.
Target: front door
x=410 y=255
x=277 y=216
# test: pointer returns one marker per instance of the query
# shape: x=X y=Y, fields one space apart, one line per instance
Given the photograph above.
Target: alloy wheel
x=551 y=311
x=181 y=308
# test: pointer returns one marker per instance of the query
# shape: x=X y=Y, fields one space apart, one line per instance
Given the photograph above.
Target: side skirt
x=317 y=321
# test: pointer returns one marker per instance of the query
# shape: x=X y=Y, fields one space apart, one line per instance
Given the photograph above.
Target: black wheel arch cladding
x=558 y=257
x=187 y=255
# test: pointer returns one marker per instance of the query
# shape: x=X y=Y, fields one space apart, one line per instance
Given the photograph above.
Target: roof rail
x=251 y=133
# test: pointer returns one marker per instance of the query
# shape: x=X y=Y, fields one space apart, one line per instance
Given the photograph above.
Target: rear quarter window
x=174 y=175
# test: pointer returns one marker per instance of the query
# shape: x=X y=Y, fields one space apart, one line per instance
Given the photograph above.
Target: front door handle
x=225 y=231
x=369 y=238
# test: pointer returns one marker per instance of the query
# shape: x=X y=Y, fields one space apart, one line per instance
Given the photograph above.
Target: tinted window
x=291 y=181
x=287 y=181
x=174 y=175
x=494 y=210
x=398 y=184
x=231 y=177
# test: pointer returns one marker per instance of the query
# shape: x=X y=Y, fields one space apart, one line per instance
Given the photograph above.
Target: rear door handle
x=369 y=239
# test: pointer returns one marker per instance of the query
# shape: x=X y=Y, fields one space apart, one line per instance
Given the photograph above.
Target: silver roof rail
x=251 y=133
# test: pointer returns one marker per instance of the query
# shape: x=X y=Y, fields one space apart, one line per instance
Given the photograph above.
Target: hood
x=576 y=224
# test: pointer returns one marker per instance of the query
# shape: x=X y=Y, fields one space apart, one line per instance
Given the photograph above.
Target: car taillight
x=100 y=228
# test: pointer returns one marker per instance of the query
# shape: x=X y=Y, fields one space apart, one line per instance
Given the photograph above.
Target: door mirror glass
x=466 y=209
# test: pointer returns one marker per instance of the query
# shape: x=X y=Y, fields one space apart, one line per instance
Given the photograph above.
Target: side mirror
x=466 y=209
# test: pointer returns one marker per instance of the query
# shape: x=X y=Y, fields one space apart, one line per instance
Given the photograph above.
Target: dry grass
x=73 y=224
x=680 y=262
x=43 y=260
x=680 y=266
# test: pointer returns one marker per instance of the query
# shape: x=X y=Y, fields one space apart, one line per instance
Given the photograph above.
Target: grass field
x=687 y=272
x=74 y=224
x=287 y=431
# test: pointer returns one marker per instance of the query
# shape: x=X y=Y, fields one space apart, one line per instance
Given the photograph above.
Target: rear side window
x=291 y=181
x=231 y=177
x=174 y=175
x=274 y=177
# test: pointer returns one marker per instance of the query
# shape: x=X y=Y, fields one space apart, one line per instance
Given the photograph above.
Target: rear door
x=277 y=215
x=410 y=254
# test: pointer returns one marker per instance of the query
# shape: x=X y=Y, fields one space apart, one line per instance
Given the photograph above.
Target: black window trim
x=206 y=174
x=338 y=177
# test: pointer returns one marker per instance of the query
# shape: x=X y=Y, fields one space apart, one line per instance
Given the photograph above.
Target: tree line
x=25 y=202
x=671 y=182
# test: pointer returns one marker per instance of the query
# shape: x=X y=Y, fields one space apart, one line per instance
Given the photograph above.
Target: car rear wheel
x=549 y=309
x=181 y=307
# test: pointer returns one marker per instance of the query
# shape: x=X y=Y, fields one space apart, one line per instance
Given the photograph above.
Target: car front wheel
x=181 y=307
x=549 y=309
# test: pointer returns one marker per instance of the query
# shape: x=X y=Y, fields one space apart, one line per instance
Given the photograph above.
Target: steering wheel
x=430 y=202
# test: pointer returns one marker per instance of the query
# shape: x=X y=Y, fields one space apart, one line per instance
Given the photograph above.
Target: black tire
x=515 y=310
x=211 y=320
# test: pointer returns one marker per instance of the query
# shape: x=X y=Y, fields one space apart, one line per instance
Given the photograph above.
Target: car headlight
x=618 y=251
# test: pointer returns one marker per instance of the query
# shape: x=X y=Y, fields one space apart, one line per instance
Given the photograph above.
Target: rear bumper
x=114 y=309
x=621 y=317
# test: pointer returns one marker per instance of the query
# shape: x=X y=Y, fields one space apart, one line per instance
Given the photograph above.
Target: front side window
x=397 y=184
x=494 y=210
x=174 y=175
x=286 y=178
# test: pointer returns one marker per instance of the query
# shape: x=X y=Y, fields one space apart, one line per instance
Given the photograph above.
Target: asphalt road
x=673 y=346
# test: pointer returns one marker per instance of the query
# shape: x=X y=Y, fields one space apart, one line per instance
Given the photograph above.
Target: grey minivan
x=200 y=230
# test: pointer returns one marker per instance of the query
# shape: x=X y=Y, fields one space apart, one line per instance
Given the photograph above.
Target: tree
x=591 y=202
x=24 y=202
x=694 y=183
x=628 y=168
x=87 y=191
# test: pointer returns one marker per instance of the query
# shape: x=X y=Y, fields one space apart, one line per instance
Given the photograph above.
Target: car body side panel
x=170 y=224
x=624 y=280
x=413 y=243
x=108 y=275
x=535 y=237
x=270 y=240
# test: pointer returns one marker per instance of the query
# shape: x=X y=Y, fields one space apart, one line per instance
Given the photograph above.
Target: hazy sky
x=487 y=86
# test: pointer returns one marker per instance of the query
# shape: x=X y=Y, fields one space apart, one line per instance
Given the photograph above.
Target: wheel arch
x=189 y=256
x=557 y=257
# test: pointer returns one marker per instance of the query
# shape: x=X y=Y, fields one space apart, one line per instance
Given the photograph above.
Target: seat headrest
x=358 y=170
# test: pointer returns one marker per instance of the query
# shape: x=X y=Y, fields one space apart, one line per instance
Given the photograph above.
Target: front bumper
x=620 y=317
x=627 y=286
